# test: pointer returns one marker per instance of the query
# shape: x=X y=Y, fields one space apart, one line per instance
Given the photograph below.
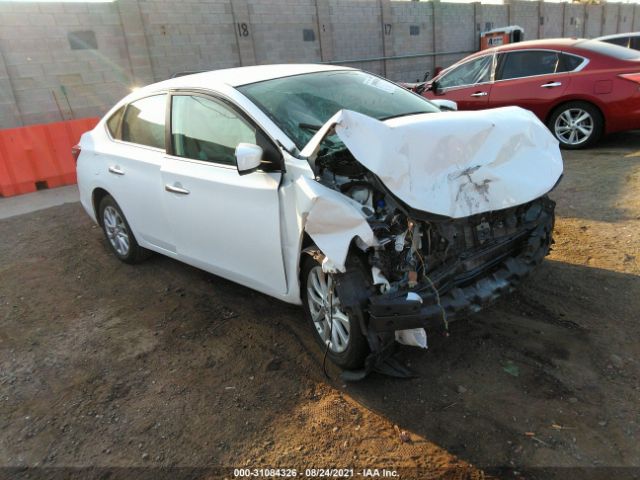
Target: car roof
x=570 y=45
x=618 y=35
x=551 y=43
x=555 y=43
x=238 y=76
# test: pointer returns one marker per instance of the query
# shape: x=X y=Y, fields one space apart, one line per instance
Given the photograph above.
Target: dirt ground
x=161 y=365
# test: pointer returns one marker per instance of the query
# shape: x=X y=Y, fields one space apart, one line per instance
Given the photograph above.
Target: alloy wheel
x=332 y=324
x=116 y=230
x=574 y=126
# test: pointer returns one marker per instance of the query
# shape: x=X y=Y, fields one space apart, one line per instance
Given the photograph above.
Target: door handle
x=479 y=94
x=551 y=84
x=176 y=189
x=116 y=170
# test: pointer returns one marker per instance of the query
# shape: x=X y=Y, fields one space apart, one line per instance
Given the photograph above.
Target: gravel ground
x=127 y=369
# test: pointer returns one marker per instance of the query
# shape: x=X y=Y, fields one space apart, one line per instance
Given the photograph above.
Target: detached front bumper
x=470 y=283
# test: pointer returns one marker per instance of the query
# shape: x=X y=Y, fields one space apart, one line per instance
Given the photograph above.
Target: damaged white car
x=331 y=188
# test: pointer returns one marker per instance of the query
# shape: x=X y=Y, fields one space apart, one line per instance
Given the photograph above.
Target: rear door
x=133 y=169
x=468 y=84
x=223 y=222
x=531 y=79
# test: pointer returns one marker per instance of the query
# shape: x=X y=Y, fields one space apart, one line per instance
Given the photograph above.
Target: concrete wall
x=412 y=34
x=454 y=31
x=188 y=35
x=593 y=20
x=45 y=75
x=527 y=15
x=48 y=79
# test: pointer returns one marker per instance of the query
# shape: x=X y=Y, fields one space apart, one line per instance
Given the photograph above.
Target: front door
x=223 y=222
x=468 y=84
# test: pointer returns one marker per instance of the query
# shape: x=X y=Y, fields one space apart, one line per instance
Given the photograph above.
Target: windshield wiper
x=309 y=126
x=402 y=115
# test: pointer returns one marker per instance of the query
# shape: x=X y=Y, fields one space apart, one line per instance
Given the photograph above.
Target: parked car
x=628 y=40
x=327 y=187
x=581 y=89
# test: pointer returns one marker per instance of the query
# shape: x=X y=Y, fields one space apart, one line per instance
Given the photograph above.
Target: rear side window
x=527 y=64
x=113 y=124
x=622 y=41
x=143 y=121
x=568 y=63
x=635 y=43
x=608 y=49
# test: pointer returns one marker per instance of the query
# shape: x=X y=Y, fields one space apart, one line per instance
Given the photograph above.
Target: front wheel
x=576 y=125
x=337 y=330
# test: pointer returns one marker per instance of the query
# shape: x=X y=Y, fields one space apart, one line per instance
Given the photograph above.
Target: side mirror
x=248 y=157
x=445 y=105
x=435 y=87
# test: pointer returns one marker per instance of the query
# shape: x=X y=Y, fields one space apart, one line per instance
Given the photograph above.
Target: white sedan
x=328 y=187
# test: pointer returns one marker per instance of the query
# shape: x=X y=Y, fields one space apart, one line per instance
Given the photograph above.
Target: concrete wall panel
x=47 y=75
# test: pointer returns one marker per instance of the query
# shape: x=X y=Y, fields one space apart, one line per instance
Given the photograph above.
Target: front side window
x=208 y=130
x=469 y=73
x=301 y=104
x=143 y=121
x=527 y=64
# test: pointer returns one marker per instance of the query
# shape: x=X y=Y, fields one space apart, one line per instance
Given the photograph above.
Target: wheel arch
x=96 y=197
x=351 y=304
x=309 y=246
x=566 y=100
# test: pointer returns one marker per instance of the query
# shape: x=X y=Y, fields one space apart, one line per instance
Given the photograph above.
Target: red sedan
x=581 y=89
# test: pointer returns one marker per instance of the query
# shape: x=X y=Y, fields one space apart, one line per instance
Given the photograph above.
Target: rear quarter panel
x=618 y=99
x=88 y=169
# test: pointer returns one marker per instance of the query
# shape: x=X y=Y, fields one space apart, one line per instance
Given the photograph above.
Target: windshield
x=301 y=104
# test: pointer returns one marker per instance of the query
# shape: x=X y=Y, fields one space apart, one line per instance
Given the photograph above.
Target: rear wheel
x=576 y=125
x=118 y=233
x=337 y=330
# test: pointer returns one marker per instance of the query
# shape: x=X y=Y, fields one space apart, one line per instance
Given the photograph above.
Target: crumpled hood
x=453 y=164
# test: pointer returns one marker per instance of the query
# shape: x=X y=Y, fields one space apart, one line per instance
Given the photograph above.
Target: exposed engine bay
x=416 y=247
x=430 y=268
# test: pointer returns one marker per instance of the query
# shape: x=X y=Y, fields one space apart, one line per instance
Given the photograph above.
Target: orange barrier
x=501 y=36
x=39 y=156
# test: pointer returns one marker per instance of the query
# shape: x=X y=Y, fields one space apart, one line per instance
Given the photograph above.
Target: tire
x=571 y=121
x=347 y=355
x=118 y=234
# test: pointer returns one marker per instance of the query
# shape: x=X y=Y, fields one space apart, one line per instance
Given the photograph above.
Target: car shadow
x=536 y=380
x=545 y=377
